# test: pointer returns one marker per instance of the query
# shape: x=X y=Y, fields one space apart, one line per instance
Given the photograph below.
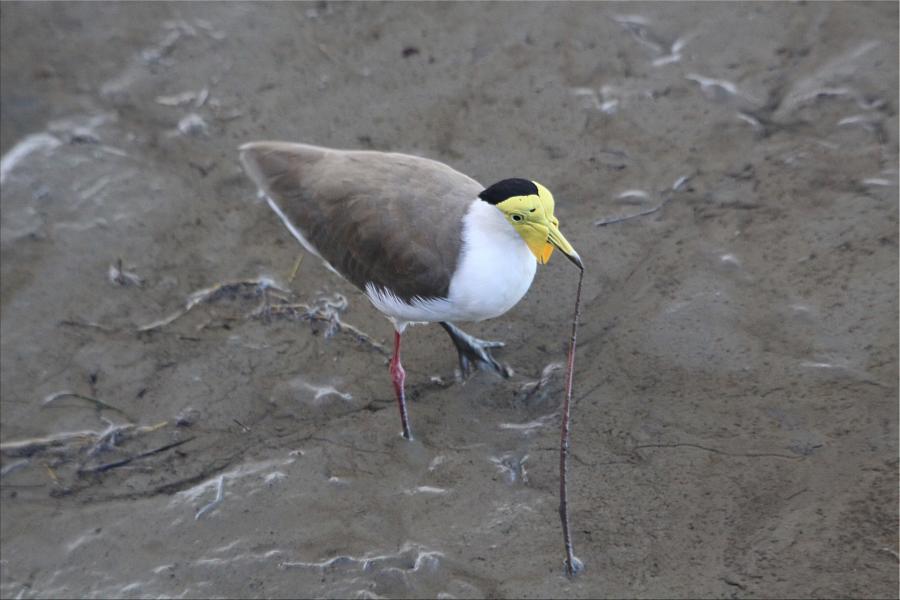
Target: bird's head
x=528 y=206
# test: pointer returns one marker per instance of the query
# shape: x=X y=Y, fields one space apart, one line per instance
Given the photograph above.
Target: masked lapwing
x=424 y=243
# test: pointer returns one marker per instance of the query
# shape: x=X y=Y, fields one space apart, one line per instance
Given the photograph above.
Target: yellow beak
x=556 y=238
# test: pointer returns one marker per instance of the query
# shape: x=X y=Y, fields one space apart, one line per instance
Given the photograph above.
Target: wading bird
x=424 y=242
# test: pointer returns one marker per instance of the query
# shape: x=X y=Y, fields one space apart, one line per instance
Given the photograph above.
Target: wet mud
x=193 y=407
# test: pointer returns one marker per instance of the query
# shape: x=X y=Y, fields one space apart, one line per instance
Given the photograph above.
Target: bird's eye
x=517 y=217
x=532 y=210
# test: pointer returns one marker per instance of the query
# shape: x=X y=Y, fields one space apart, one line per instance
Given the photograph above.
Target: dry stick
x=573 y=565
x=643 y=213
x=130 y=459
x=98 y=404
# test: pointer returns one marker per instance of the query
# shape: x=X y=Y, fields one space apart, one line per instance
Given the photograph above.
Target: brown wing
x=392 y=220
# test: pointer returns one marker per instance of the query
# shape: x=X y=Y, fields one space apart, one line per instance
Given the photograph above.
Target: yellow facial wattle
x=536 y=237
x=532 y=217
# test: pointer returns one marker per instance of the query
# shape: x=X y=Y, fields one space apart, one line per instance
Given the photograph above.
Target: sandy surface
x=735 y=432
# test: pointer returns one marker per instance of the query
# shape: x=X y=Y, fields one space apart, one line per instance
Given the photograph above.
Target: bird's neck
x=489 y=220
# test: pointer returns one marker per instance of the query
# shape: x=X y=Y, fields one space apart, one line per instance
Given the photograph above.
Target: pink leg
x=398 y=376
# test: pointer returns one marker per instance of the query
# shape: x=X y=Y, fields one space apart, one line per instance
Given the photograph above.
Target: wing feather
x=386 y=219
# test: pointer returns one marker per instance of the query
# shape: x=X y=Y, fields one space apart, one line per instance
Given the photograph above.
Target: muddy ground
x=735 y=432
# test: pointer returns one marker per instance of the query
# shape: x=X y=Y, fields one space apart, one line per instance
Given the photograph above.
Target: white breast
x=495 y=268
x=494 y=271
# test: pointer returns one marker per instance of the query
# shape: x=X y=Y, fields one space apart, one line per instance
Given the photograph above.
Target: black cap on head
x=508 y=188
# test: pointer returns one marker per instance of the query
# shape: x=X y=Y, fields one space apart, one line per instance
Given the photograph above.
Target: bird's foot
x=474 y=354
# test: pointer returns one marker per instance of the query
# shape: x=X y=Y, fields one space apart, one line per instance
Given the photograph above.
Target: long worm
x=573 y=565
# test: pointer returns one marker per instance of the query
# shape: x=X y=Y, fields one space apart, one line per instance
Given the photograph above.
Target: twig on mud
x=795 y=494
x=125 y=461
x=113 y=434
x=679 y=183
x=326 y=310
x=643 y=213
x=208 y=295
x=723 y=452
x=32 y=446
x=109 y=438
x=98 y=404
x=733 y=583
x=205 y=473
